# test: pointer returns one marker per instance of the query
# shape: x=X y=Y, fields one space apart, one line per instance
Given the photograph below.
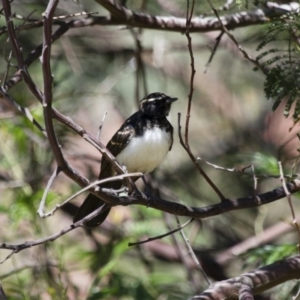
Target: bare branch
x=140 y=68
x=101 y=125
x=196 y=163
x=181 y=253
x=191 y=252
x=34 y=55
x=200 y=212
x=214 y=50
x=96 y=183
x=47 y=76
x=18 y=53
x=19 y=247
x=197 y=24
x=288 y=195
x=193 y=71
x=124 y=16
x=167 y=23
x=49 y=184
x=24 y=110
x=231 y=36
x=243 y=170
x=185 y=143
x=254 y=282
x=162 y=235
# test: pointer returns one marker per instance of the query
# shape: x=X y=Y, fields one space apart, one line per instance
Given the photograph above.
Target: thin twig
x=189 y=15
x=242 y=170
x=101 y=125
x=22 y=72
x=185 y=143
x=8 y=65
x=231 y=36
x=191 y=252
x=49 y=184
x=162 y=235
x=11 y=32
x=47 y=77
x=295 y=163
x=214 y=50
x=140 y=68
x=195 y=161
x=93 y=184
x=24 y=110
x=254 y=179
x=33 y=56
x=182 y=255
x=255 y=185
x=19 y=247
x=288 y=196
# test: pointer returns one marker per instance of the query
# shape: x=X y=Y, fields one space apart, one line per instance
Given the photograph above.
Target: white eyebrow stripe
x=152 y=99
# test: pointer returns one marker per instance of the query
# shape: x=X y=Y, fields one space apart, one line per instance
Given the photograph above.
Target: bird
x=140 y=145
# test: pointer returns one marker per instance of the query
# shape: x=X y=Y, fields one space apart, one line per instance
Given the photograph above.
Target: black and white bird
x=141 y=144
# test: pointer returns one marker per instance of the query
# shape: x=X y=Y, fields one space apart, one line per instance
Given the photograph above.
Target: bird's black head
x=157 y=105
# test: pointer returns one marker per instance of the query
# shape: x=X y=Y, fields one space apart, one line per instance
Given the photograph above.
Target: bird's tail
x=90 y=204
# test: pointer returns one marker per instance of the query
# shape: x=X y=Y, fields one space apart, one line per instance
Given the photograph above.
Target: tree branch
x=254 y=282
x=124 y=16
x=178 y=209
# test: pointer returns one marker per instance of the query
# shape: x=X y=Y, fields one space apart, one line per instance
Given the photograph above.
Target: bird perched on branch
x=141 y=144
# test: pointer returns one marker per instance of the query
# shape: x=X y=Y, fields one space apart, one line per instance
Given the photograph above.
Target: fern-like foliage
x=282 y=62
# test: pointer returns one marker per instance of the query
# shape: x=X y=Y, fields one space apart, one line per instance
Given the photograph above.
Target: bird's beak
x=171 y=100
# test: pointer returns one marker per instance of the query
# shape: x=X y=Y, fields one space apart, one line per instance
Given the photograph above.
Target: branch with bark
x=255 y=282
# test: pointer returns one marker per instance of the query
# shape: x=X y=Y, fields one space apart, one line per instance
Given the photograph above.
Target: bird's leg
x=148 y=190
x=147 y=187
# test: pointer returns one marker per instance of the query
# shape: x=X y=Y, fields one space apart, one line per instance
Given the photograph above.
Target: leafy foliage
x=281 y=64
x=269 y=254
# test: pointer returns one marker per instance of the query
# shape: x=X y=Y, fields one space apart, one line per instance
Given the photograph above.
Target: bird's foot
x=148 y=191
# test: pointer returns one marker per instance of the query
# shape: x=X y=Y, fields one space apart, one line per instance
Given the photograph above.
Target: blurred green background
x=95 y=71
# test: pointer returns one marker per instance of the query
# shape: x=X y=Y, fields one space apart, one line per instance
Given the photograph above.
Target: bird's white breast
x=145 y=153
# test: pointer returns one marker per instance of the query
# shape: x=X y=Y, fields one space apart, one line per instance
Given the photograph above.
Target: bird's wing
x=117 y=143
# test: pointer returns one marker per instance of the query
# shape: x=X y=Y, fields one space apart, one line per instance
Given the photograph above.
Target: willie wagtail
x=141 y=144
